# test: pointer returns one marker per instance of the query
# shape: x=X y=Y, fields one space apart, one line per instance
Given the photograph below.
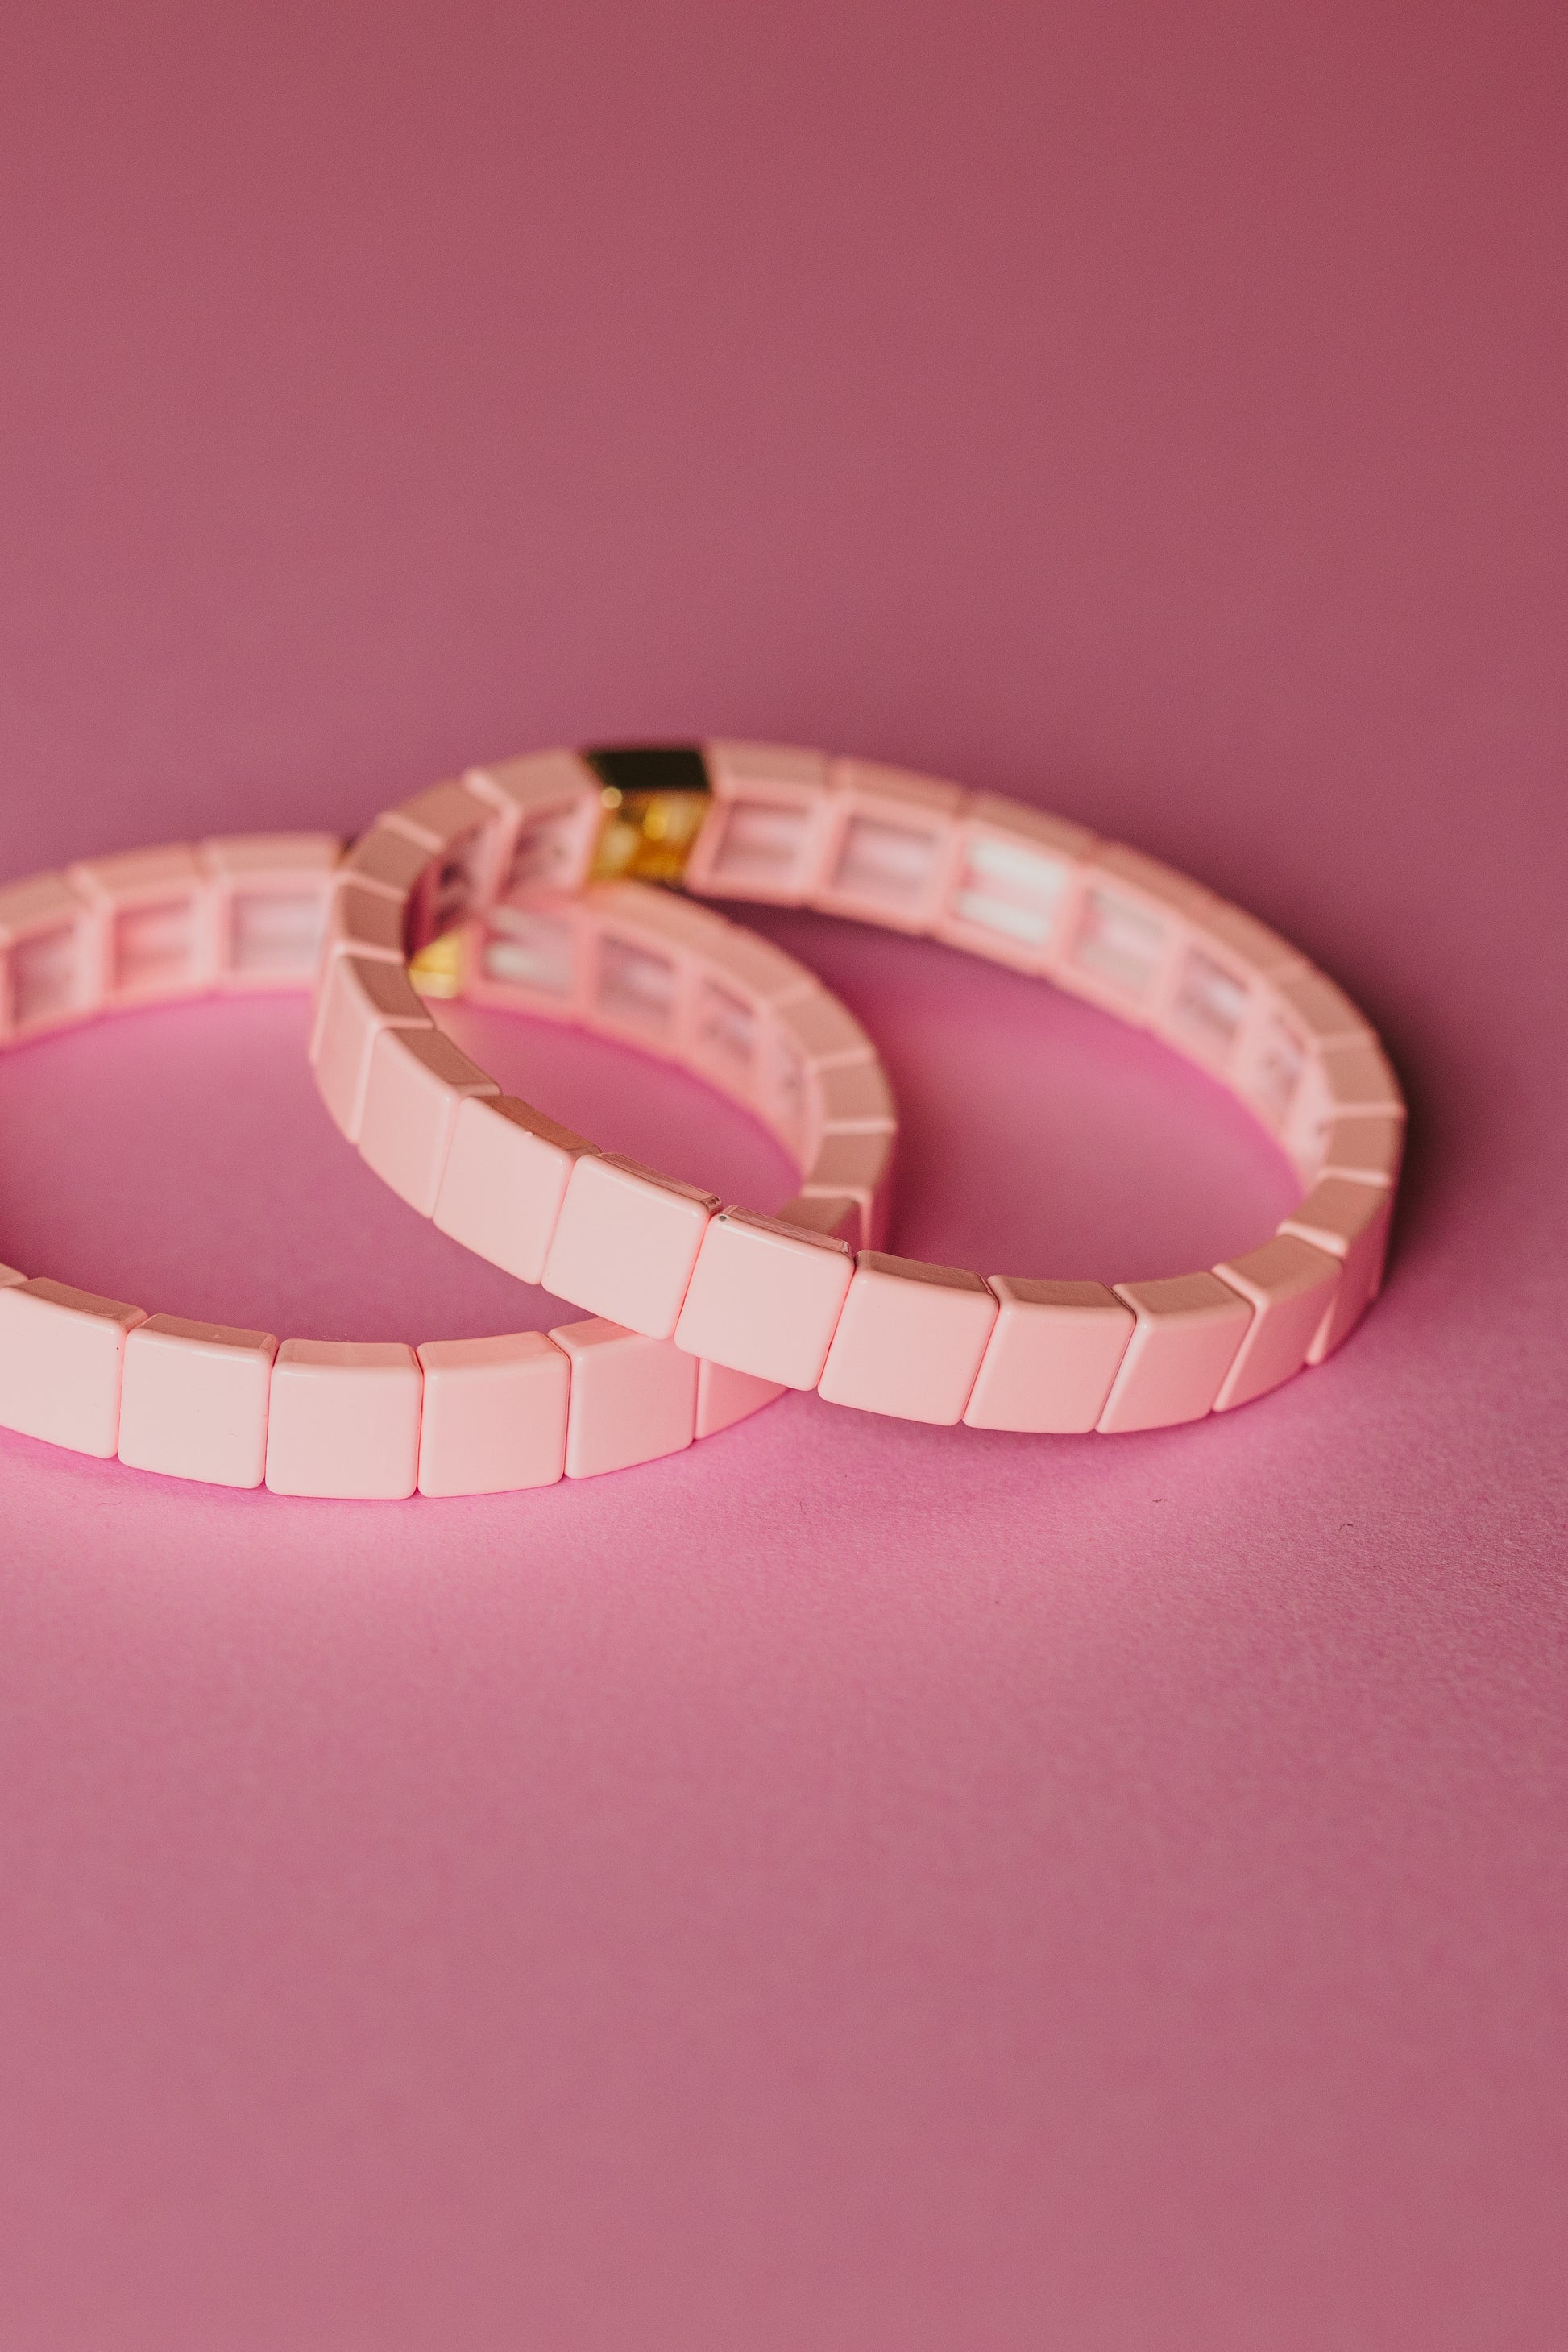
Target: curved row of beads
x=787 y=1299
x=234 y=1407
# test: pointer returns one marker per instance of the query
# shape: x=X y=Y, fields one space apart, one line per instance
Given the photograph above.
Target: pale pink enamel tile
x=1132 y=920
x=1012 y=883
x=1291 y=1287
x=1350 y=1221
x=639 y=987
x=269 y=858
x=1220 y=989
x=154 y=931
x=344 y=1420
x=50 y=958
x=386 y=861
x=731 y=1036
x=626 y=1242
x=1352 y=1081
x=194 y=1401
x=651 y=911
x=909 y=1340
x=1051 y=1358
x=851 y=1094
x=359 y=1002
x=855 y=1167
x=533 y=954
x=895 y=840
x=810 y=1032
x=1320 y=1008
x=506 y=1175
x=723 y=1041
x=416 y=1080
x=1359 y=1081
x=269 y=898
x=439 y=816
x=557 y=802
x=470 y=844
x=1207 y=1005
x=768 y=832
x=365 y=922
x=761 y=970
x=495 y=1414
x=766 y=1297
x=633 y=1399
x=725 y=1397
x=1219 y=1001
x=62 y=1352
x=1188 y=1330
x=1273 y=1072
x=1368 y=1146
x=822 y=1030
x=1250 y=945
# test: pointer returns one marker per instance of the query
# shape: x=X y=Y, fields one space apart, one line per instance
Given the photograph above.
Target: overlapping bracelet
x=534 y=884
x=310 y=1416
x=503 y=879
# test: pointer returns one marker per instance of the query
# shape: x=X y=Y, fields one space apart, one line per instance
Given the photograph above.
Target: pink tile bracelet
x=317 y=1417
x=808 y=1299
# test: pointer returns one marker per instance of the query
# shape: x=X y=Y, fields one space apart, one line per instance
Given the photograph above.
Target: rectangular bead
x=1052 y=1356
x=1189 y=1328
x=62 y=1355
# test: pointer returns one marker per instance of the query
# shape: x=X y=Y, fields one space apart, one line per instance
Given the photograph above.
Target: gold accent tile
x=437 y=969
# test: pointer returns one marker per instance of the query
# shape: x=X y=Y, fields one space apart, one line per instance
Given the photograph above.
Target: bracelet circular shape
x=345 y=1419
x=509 y=878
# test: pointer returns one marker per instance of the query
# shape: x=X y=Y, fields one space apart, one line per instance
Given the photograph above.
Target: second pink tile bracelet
x=808 y=1299
x=317 y=1417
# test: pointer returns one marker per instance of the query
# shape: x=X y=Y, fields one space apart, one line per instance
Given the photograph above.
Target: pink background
x=853 y=1886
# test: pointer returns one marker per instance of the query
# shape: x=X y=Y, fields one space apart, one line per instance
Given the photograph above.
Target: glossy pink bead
x=1188 y=1330
x=62 y=1353
x=345 y=1420
x=1051 y=1358
x=626 y=1243
x=194 y=1402
x=633 y=1399
x=909 y=1340
x=766 y=1297
x=494 y=1414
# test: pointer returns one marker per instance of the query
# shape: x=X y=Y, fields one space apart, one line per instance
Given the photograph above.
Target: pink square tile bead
x=1350 y=1221
x=633 y=1399
x=495 y=1414
x=194 y=1401
x=768 y=833
x=416 y=1080
x=1014 y=883
x=909 y=1340
x=1188 y=1330
x=893 y=847
x=358 y=1000
x=270 y=894
x=765 y=1296
x=858 y=1168
x=345 y=1420
x=62 y=1353
x=626 y=1243
x=1052 y=1356
x=1365 y=1147
x=1291 y=1287
x=505 y=1178
x=154 y=937
x=49 y=958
